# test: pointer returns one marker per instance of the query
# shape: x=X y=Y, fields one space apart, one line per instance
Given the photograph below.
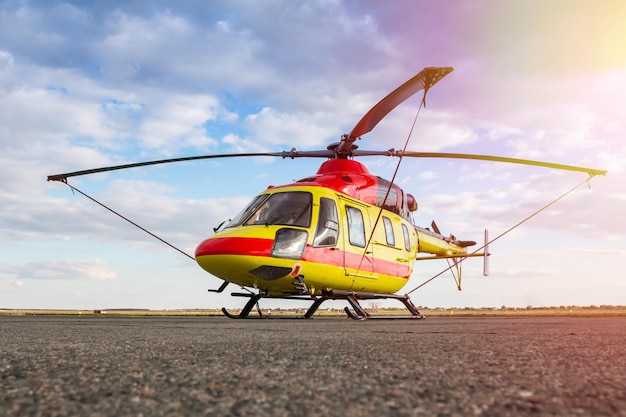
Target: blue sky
x=90 y=84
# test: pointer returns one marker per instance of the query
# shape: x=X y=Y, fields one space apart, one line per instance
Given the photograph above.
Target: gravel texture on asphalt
x=172 y=366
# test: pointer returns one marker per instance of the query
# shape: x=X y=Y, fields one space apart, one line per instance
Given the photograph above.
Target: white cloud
x=70 y=269
x=86 y=85
x=6 y=60
x=273 y=128
x=176 y=121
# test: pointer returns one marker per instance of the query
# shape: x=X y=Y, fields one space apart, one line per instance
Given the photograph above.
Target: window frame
x=356 y=226
x=324 y=217
x=390 y=236
x=407 y=237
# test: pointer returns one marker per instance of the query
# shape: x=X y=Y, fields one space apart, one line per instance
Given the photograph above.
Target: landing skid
x=357 y=312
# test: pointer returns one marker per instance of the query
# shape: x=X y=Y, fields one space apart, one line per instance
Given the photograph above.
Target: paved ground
x=114 y=366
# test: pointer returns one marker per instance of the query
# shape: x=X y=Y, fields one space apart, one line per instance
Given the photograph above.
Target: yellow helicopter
x=340 y=234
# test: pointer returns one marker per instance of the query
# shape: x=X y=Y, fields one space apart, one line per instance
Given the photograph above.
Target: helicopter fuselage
x=342 y=229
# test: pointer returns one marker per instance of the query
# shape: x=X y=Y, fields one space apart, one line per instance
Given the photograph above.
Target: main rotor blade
x=392 y=152
x=285 y=154
x=425 y=79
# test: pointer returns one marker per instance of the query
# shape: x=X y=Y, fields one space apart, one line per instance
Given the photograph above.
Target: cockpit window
x=288 y=209
x=248 y=210
x=327 y=224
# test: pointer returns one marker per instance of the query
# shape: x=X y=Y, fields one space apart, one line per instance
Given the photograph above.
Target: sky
x=89 y=84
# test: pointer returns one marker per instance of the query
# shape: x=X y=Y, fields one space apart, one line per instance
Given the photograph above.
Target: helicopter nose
x=244 y=257
x=228 y=256
x=234 y=246
x=211 y=252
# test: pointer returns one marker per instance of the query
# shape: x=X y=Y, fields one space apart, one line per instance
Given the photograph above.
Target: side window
x=356 y=226
x=391 y=239
x=407 y=238
x=327 y=225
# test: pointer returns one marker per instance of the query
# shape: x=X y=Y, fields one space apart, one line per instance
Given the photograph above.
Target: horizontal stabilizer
x=465 y=243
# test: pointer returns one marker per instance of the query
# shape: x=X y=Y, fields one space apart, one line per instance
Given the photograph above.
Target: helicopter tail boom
x=452 y=250
x=435 y=243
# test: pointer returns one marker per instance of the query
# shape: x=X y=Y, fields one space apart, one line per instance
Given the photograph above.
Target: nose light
x=295 y=271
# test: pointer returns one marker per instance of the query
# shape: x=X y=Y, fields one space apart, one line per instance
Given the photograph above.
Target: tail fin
x=486 y=255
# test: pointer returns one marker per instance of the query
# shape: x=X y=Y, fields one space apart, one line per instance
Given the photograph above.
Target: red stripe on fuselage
x=247 y=246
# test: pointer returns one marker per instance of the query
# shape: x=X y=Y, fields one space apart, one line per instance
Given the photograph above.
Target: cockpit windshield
x=287 y=208
x=247 y=211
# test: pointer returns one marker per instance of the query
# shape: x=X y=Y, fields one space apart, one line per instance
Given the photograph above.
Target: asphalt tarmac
x=173 y=366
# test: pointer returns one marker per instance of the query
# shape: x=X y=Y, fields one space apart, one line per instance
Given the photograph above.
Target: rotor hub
x=334 y=147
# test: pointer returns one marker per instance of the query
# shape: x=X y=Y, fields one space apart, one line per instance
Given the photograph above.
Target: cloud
x=6 y=60
x=60 y=270
x=271 y=127
x=85 y=85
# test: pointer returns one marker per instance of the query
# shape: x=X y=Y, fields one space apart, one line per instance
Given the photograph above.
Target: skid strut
x=357 y=312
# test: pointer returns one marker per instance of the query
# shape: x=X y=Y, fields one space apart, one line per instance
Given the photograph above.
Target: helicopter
x=340 y=234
